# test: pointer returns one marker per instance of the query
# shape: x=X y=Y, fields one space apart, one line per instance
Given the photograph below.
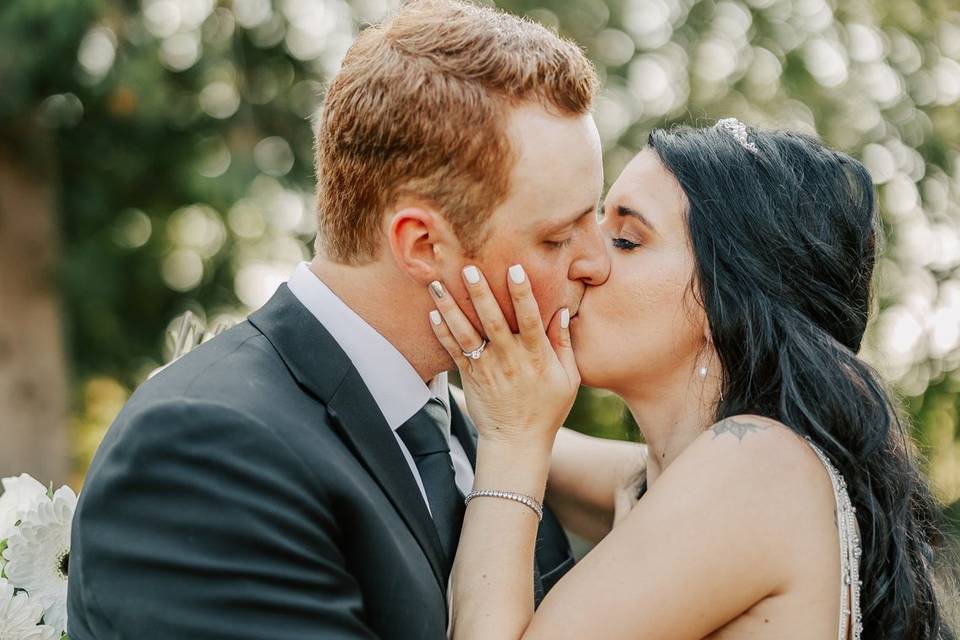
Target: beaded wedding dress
x=851 y=621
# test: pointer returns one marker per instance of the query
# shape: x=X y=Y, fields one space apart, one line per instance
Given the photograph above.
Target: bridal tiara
x=739 y=132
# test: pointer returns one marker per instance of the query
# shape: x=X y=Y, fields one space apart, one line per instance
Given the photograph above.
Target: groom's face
x=548 y=221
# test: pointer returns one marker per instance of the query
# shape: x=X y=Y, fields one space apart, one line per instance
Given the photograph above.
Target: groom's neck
x=390 y=303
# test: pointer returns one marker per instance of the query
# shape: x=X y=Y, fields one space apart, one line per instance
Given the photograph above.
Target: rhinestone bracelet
x=533 y=503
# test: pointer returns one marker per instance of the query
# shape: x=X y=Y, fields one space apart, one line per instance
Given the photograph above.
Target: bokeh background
x=156 y=157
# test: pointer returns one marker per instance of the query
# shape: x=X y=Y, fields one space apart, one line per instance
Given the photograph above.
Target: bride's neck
x=671 y=415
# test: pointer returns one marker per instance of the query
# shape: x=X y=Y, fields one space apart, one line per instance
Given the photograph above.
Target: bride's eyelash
x=623 y=243
x=554 y=244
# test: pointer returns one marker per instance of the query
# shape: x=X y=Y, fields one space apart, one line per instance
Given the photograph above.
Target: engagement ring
x=475 y=354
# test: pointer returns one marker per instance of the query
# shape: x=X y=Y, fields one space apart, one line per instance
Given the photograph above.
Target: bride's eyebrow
x=623 y=210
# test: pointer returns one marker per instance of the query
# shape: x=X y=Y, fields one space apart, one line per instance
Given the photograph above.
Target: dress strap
x=850 y=552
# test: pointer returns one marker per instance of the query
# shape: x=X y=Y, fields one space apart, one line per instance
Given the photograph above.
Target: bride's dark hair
x=785 y=242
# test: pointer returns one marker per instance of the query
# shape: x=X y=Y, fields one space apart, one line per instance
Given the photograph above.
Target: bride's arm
x=492 y=578
x=493 y=599
x=518 y=391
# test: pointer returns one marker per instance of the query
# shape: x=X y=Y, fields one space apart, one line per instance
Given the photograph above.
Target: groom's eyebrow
x=568 y=222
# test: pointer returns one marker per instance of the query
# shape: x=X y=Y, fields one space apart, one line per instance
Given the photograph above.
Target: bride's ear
x=418 y=238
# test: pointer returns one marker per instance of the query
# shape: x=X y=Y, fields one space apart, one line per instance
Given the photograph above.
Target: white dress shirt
x=395 y=385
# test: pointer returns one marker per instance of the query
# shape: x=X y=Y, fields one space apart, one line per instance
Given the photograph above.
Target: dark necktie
x=425 y=441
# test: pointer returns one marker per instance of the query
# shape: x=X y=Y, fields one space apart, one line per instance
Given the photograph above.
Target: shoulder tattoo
x=738 y=428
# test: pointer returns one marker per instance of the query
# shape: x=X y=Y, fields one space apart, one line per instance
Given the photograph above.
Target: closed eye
x=624 y=244
x=559 y=244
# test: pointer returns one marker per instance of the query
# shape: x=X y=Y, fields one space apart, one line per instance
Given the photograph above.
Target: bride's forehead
x=645 y=178
x=654 y=203
x=647 y=164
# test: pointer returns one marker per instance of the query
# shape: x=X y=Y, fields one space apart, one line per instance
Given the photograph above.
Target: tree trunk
x=34 y=434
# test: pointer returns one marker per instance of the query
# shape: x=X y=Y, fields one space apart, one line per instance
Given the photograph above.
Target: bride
x=779 y=497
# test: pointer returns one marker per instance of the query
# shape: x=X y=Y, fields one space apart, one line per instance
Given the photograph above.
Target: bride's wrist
x=520 y=447
x=519 y=466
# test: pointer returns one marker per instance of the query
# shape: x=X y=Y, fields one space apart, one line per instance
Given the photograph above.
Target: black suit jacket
x=253 y=490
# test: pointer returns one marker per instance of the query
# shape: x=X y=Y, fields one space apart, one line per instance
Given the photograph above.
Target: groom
x=301 y=475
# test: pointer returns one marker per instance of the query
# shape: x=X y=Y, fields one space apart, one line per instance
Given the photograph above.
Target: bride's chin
x=584 y=341
x=584 y=364
x=589 y=379
x=596 y=378
x=590 y=358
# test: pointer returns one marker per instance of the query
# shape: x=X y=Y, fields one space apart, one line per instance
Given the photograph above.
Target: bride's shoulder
x=747 y=503
x=754 y=443
x=758 y=459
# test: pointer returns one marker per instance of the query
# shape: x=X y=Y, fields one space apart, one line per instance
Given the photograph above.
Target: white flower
x=38 y=553
x=19 y=617
x=19 y=493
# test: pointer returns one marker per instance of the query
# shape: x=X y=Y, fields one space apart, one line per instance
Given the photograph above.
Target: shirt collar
x=395 y=385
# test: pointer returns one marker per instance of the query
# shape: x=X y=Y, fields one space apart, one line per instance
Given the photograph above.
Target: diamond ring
x=475 y=354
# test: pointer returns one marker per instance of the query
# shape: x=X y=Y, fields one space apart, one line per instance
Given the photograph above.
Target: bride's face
x=642 y=328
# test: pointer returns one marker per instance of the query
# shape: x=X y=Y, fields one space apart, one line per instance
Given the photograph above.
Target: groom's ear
x=417 y=236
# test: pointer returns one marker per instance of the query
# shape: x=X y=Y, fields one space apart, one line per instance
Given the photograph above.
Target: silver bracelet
x=533 y=503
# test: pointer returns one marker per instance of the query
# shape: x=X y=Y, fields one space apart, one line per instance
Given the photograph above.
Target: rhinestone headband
x=739 y=132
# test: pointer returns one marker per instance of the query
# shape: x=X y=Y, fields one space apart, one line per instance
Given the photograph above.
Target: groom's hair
x=419 y=109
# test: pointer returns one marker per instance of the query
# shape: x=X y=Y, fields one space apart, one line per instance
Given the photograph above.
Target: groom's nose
x=592 y=262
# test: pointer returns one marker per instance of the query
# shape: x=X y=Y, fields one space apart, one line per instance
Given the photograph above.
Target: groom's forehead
x=549 y=148
x=523 y=224
x=563 y=219
x=550 y=205
x=549 y=208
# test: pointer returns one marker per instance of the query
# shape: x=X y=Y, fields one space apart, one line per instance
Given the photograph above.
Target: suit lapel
x=320 y=365
x=360 y=422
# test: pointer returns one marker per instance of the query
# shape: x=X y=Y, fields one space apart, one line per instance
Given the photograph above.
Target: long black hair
x=784 y=231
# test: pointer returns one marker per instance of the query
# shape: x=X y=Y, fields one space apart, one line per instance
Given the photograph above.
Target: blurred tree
x=33 y=384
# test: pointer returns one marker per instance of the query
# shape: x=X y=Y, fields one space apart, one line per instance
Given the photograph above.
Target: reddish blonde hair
x=419 y=107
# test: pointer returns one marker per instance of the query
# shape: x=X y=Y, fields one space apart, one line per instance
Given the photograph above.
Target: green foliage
x=39 y=52
x=138 y=157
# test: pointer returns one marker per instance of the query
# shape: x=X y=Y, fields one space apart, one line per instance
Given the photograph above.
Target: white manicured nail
x=435 y=317
x=564 y=318
x=516 y=274
x=472 y=274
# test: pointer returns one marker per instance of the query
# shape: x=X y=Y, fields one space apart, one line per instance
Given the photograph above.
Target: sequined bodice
x=850 y=552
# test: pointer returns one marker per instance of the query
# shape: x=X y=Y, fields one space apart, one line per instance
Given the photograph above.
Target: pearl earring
x=703 y=372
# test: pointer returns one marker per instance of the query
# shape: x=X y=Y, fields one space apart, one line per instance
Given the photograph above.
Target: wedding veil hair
x=784 y=232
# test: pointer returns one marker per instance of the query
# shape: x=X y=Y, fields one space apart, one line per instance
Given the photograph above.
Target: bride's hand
x=522 y=385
